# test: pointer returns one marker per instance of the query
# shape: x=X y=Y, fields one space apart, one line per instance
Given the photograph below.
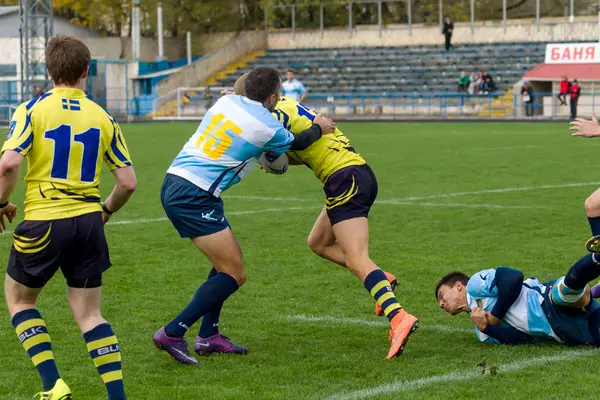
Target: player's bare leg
x=224 y=252
x=322 y=242
x=592 y=210
x=353 y=237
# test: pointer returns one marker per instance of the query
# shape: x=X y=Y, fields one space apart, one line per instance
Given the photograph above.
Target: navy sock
x=210 y=321
x=33 y=335
x=586 y=269
x=595 y=225
x=209 y=297
x=379 y=287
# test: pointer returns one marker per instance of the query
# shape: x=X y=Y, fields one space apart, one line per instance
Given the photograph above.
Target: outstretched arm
x=509 y=282
x=585 y=128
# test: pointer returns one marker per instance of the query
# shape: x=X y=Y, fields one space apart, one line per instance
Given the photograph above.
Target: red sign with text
x=573 y=53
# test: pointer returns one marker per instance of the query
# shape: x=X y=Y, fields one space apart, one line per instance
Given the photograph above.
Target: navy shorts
x=571 y=325
x=192 y=211
x=350 y=193
x=76 y=245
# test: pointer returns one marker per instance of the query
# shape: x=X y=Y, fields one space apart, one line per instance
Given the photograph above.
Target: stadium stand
x=387 y=70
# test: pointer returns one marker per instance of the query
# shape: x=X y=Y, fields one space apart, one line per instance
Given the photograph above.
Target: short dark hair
x=261 y=83
x=291 y=70
x=450 y=279
x=67 y=58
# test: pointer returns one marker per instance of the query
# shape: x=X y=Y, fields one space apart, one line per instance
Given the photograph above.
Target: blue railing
x=371 y=106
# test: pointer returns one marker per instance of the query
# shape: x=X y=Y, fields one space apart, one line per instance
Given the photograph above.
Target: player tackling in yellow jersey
x=65 y=138
x=341 y=232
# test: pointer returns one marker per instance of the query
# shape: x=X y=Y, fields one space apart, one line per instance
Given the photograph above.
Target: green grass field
x=452 y=196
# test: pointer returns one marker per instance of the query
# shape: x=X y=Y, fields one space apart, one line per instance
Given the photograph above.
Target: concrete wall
x=550 y=30
x=213 y=62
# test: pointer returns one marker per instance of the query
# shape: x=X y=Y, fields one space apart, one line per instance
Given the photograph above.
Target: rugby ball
x=274 y=164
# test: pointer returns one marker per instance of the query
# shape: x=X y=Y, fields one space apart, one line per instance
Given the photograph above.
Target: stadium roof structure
x=554 y=72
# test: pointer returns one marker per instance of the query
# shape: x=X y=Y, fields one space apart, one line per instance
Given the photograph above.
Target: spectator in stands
x=463 y=82
x=208 y=98
x=575 y=92
x=293 y=88
x=38 y=92
x=480 y=83
x=447 y=32
x=473 y=81
x=527 y=96
x=565 y=87
x=488 y=83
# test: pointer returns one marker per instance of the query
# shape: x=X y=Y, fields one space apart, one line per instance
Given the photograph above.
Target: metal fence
x=320 y=14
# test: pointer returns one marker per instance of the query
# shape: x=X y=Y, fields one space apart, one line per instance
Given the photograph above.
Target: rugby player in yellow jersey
x=65 y=137
x=341 y=232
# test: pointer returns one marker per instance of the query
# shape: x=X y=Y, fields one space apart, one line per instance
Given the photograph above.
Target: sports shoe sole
x=413 y=328
x=159 y=346
x=593 y=245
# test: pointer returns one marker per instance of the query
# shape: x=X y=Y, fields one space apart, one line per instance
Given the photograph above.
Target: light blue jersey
x=526 y=313
x=228 y=142
x=293 y=89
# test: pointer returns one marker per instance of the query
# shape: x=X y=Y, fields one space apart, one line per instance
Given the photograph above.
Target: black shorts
x=350 y=193
x=75 y=245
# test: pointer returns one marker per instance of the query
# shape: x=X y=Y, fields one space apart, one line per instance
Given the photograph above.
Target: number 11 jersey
x=65 y=137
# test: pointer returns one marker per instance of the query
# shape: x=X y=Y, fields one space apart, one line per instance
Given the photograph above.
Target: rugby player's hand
x=479 y=318
x=105 y=217
x=327 y=125
x=491 y=320
x=10 y=211
x=585 y=128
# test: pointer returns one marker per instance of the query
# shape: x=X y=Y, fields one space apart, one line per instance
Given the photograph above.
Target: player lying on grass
x=226 y=146
x=341 y=232
x=506 y=309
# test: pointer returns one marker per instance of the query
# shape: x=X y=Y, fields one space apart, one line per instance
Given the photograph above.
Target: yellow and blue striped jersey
x=327 y=155
x=65 y=137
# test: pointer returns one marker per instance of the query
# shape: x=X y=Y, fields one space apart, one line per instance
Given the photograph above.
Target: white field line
x=150 y=220
x=466 y=374
x=401 y=201
x=533 y=146
x=458 y=205
x=505 y=190
x=435 y=196
x=365 y=322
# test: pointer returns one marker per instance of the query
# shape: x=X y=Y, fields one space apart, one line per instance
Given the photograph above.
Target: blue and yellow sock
x=381 y=290
x=32 y=332
x=106 y=354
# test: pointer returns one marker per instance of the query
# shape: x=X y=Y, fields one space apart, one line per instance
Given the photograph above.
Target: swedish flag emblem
x=72 y=105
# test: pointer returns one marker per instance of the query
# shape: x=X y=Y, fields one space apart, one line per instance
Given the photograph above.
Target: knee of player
x=315 y=245
x=241 y=277
x=592 y=204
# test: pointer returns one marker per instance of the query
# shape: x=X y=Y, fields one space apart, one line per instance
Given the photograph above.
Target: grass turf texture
x=155 y=272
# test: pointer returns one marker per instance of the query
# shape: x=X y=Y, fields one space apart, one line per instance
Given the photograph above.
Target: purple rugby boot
x=217 y=343
x=596 y=291
x=175 y=346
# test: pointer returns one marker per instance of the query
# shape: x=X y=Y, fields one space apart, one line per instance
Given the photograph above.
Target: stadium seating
x=397 y=70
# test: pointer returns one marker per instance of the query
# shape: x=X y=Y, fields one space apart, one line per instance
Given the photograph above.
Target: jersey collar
x=68 y=92
x=253 y=101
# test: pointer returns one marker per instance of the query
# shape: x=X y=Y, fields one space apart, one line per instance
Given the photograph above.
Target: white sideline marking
x=532 y=146
x=404 y=386
x=150 y=220
x=442 y=205
x=505 y=190
x=264 y=210
x=366 y=322
x=435 y=196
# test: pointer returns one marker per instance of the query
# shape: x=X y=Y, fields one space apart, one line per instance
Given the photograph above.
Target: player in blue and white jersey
x=225 y=147
x=508 y=309
x=293 y=88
